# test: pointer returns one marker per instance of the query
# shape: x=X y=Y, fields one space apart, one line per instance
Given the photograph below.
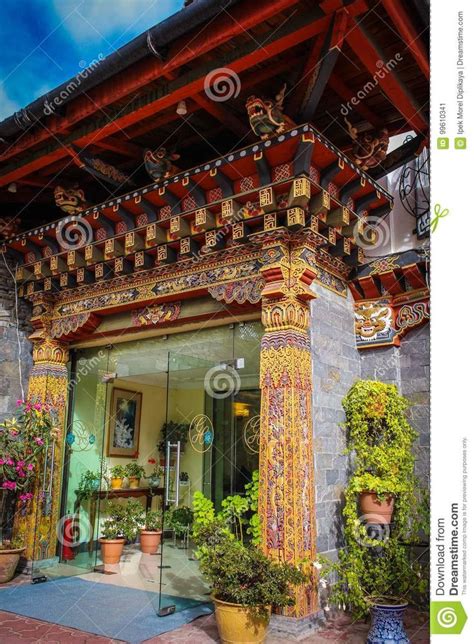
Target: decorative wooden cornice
x=295 y=181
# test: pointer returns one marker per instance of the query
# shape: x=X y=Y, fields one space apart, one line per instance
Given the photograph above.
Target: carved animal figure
x=371 y=320
x=368 y=149
x=9 y=226
x=159 y=164
x=266 y=118
x=71 y=200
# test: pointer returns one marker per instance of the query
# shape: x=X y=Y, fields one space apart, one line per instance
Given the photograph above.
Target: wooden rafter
x=326 y=61
x=402 y=21
x=369 y=56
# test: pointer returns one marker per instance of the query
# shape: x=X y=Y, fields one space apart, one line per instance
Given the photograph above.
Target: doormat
x=111 y=611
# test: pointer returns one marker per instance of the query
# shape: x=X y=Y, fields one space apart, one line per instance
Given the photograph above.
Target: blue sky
x=45 y=42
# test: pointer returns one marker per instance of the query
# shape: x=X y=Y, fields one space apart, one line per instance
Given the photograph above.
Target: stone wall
x=15 y=348
x=408 y=367
x=336 y=365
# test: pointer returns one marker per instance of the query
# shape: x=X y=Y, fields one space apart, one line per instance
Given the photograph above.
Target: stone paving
x=16 y=628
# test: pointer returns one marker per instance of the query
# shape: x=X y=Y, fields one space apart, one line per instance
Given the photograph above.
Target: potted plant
x=10 y=553
x=122 y=524
x=24 y=440
x=375 y=571
x=134 y=473
x=117 y=474
x=245 y=583
x=156 y=474
x=150 y=534
x=180 y=520
x=89 y=483
x=183 y=478
x=173 y=432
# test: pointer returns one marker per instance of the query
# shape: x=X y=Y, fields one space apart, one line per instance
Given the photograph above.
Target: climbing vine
x=377 y=560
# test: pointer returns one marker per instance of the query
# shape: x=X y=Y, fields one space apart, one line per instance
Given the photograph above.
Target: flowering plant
x=157 y=469
x=23 y=439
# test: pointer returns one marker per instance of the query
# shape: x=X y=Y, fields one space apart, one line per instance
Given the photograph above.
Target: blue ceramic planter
x=387 y=625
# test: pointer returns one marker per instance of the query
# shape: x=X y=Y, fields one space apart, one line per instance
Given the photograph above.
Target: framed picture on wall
x=124 y=423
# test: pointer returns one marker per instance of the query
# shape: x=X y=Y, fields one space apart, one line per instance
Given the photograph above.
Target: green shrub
x=123 y=520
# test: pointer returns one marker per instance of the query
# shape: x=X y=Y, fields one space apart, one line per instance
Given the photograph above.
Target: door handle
x=176 y=478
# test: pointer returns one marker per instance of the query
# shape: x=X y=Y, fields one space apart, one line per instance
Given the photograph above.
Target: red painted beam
x=402 y=21
x=369 y=287
x=344 y=92
x=368 y=55
x=245 y=16
x=414 y=276
x=391 y=282
x=127 y=148
x=223 y=115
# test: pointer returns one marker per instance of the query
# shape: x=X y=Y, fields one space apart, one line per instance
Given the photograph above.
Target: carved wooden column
x=48 y=383
x=287 y=496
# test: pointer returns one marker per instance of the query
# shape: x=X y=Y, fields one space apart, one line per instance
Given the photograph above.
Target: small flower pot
x=149 y=541
x=111 y=550
x=239 y=625
x=375 y=510
x=8 y=563
x=133 y=482
x=116 y=483
x=387 y=624
x=154 y=481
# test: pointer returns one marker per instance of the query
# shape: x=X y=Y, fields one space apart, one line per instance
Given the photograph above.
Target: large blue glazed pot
x=387 y=625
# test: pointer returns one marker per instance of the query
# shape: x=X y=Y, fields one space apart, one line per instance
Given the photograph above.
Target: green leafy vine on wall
x=381 y=563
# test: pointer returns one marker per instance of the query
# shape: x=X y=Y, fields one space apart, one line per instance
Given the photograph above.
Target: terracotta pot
x=116 y=483
x=8 y=562
x=111 y=550
x=239 y=625
x=149 y=541
x=375 y=510
x=133 y=482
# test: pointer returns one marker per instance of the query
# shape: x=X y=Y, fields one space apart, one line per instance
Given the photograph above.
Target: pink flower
x=19 y=403
x=2 y=462
x=38 y=440
x=9 y=485
x=10 y=461
x=30 y=466
x=20 y=463
x=37 y=406
x=26 y=496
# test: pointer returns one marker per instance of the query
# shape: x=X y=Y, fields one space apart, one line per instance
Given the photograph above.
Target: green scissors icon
x=438 y=214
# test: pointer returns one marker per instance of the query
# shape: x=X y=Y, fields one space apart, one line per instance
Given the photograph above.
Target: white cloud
x=7 y=105
x=91 y=20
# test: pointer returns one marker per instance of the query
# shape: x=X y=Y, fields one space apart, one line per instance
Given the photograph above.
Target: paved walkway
x=16 y=628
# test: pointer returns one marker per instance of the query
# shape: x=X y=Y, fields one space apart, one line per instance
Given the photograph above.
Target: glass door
x=211 y=446
x=186 y=435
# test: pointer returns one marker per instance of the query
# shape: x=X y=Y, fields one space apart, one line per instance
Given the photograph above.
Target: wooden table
x=121 y=493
